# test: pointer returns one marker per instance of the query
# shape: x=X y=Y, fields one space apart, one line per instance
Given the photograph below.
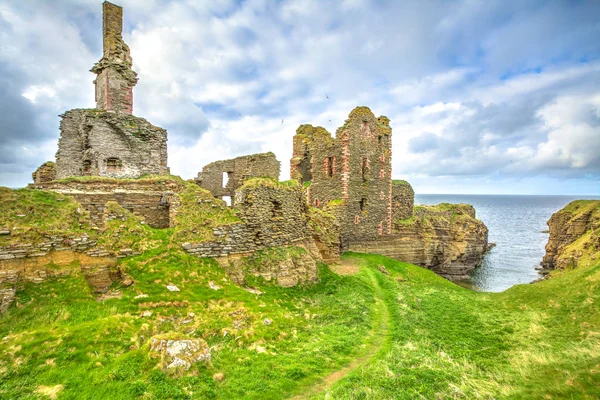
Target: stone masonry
x=101 y=143
x=271 y=216
x=45 y=173
x=403 y=197
x=223 y=178
x=115 y=78
x=353 y=169
x=108 y=140
x=154 y=202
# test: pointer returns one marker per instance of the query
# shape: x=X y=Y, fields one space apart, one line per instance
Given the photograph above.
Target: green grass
x=33 y=215
x=198 y=213
x=400 y=182
x=532 y=341
x=443 y=341
x=59 y=334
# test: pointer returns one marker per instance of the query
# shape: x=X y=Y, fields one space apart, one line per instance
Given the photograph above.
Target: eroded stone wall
x=274 y=219
x=154 y=202
x=223 y=178
x=271 y=216
x=403 y=200
x=45 y=173
x=115 y=78
x=352 y=169
x=99 y=143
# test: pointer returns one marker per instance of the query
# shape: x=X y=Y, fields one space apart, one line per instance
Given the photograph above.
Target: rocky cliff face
x=446 y=238
x=574 y=236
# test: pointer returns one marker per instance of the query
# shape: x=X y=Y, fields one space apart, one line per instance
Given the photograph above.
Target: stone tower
x=108 y=140
x=350 y=173
x=115 y=78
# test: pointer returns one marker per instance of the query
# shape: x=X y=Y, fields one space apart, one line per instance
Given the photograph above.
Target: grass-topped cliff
x=574 y=235
x=371 y=328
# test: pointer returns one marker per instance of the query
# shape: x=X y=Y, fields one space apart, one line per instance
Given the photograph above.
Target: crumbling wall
x=98 y=143
x=287 y=266
x=403 y=201
x=237 y=171
x=274 y=239
x=115 y=78
x=353 y=169
x=45 y=173
x=152 y=201
x=272 y=215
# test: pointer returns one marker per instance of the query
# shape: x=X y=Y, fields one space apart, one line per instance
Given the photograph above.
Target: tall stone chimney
x=115 y=78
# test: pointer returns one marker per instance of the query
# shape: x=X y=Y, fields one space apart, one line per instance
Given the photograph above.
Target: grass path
x=374 y=344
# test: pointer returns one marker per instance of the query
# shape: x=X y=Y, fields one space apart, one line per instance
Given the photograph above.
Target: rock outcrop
x=574 y=236
x=446 y=238
x=179 y=353
x=285 y=266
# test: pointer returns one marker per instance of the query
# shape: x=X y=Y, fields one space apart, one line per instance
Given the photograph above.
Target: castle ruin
x=108 y=140
x=223 y=178
x=353 y=169
x=341 y=196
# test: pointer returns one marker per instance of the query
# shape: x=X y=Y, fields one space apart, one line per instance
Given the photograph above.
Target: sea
x=517 y=224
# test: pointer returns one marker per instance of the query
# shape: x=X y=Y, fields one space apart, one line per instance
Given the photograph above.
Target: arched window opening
x=87 y=167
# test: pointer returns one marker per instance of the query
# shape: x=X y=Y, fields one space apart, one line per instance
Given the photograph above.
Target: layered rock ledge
x=574 y=236
x=446 y=238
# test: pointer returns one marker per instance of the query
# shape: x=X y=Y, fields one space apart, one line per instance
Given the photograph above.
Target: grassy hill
x=414 y=334
x=372 y=328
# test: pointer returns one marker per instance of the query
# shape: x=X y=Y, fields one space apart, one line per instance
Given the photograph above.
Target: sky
x=490 y=97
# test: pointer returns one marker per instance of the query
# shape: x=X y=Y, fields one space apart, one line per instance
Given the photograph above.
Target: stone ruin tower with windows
x=351 y=174
x=109 y=140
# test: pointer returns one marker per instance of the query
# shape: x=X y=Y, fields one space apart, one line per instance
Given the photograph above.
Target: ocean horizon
x=517 y=225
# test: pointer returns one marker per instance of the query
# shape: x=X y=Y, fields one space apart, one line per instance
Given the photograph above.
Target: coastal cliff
x=574 y=236
x=447 y=239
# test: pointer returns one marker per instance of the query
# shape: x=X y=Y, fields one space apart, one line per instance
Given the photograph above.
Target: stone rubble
x=180 y=353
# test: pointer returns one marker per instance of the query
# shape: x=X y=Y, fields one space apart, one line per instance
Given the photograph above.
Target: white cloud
x=474 y=90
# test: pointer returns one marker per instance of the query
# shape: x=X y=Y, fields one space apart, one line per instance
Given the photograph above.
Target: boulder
x=180 y=353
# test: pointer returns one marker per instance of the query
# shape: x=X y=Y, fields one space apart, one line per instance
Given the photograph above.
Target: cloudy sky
x=493 y=96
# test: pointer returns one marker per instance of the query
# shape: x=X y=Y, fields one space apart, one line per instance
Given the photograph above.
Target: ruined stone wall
x=115 y=78
x=98 y=143
x=403 y=199
x=317 y=162
x=45 y=173
x=237 y=170
x=353 y=169
x=154 y=202
x=32 y=250
x=271 y=216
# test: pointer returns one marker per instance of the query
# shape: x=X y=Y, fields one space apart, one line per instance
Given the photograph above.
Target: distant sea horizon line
x=505 y=194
